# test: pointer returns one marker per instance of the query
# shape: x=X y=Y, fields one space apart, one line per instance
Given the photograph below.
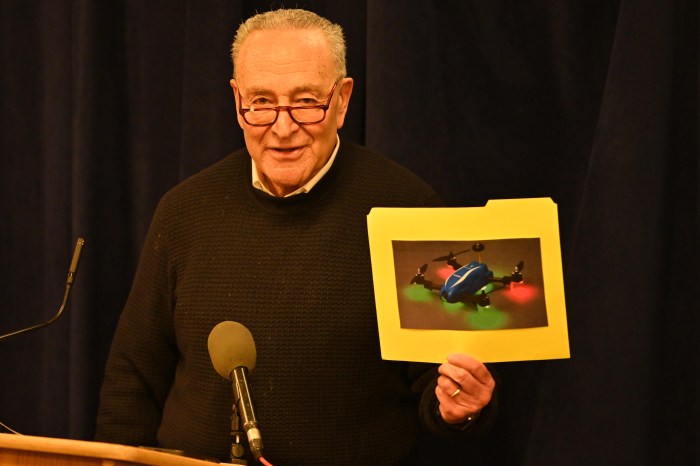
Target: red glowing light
x=520 y=292
x=444 y=272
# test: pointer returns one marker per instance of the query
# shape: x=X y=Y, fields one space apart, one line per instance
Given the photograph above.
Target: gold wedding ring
x=456 y=393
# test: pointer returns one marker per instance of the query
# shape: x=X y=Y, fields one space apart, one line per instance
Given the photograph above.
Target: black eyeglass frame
x=288 y=108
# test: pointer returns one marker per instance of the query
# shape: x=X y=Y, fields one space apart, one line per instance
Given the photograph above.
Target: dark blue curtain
x=104 y=105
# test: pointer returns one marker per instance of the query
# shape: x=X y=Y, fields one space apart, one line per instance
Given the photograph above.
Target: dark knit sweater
x=296 y=272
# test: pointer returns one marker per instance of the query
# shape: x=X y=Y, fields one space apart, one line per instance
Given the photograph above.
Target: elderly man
x=274 y=237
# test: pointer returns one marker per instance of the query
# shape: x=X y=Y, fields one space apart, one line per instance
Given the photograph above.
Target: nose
x=285 y=125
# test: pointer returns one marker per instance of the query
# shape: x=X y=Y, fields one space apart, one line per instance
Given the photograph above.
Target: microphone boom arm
x=69 y=283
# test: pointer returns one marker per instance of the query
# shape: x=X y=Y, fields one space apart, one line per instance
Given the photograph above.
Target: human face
x=289 y=67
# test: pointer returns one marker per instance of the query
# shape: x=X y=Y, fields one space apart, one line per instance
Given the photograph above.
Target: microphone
x=69 y=283
x=232 y=352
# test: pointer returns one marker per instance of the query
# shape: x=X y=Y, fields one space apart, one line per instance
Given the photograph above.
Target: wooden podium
x=24 y=450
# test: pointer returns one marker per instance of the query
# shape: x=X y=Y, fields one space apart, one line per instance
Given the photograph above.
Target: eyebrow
x=297 y=90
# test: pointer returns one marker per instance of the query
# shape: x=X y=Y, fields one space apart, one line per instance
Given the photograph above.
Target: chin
x=289 y=176
x=287 y=183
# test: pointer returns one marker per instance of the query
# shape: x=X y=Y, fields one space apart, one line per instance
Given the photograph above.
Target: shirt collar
x=258 y=183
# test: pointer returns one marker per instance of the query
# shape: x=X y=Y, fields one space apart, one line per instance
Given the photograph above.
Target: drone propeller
x=478 y=247
x=419 y=277
x=450 y=256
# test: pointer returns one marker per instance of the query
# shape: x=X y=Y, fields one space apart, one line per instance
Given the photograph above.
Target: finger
x=455 y=410
x=473 y=396
x=448 y=386
x=458 y=375
x=446 y=401
x=446 y=406
x=475 y=367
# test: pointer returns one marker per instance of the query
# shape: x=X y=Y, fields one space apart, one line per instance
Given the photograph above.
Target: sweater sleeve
x=143 y=355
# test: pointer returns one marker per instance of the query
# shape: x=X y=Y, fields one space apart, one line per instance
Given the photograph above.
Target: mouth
x=287 y=152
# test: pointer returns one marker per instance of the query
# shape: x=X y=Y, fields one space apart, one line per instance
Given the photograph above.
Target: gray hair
x=293 y=19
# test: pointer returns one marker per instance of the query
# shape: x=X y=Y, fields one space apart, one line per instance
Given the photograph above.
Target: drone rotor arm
x=432 y=286
x=454 y=264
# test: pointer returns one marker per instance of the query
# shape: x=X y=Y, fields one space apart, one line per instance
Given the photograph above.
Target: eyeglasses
x=303 y=115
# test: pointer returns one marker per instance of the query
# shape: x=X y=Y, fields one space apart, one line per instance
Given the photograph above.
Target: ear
x=234 y=88
x=344 y=93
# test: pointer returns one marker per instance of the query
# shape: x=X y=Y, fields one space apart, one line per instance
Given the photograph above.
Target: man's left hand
x=463 y=389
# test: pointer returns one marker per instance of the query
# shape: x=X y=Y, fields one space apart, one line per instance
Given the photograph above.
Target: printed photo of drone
x=475 y=286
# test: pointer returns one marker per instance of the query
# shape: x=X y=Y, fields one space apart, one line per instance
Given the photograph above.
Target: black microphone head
x=230 y=346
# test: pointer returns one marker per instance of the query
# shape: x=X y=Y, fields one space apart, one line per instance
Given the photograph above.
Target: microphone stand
x=237 y=448
x=69 y=283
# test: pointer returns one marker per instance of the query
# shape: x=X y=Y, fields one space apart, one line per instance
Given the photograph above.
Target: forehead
x=284 y=58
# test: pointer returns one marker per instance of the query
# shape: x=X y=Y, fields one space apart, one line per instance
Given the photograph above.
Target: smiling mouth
x=287 y=151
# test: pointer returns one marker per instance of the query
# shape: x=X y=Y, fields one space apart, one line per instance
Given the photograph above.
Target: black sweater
x=296 y=272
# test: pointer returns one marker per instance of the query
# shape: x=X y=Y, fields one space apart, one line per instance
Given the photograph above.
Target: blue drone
x=467 y=280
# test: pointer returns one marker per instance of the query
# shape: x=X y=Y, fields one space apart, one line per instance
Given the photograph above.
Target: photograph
x=470 y=285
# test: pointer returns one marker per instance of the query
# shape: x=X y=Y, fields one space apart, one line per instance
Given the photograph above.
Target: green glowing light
x=452 y=308
x=418 y=293
x=487 y=319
